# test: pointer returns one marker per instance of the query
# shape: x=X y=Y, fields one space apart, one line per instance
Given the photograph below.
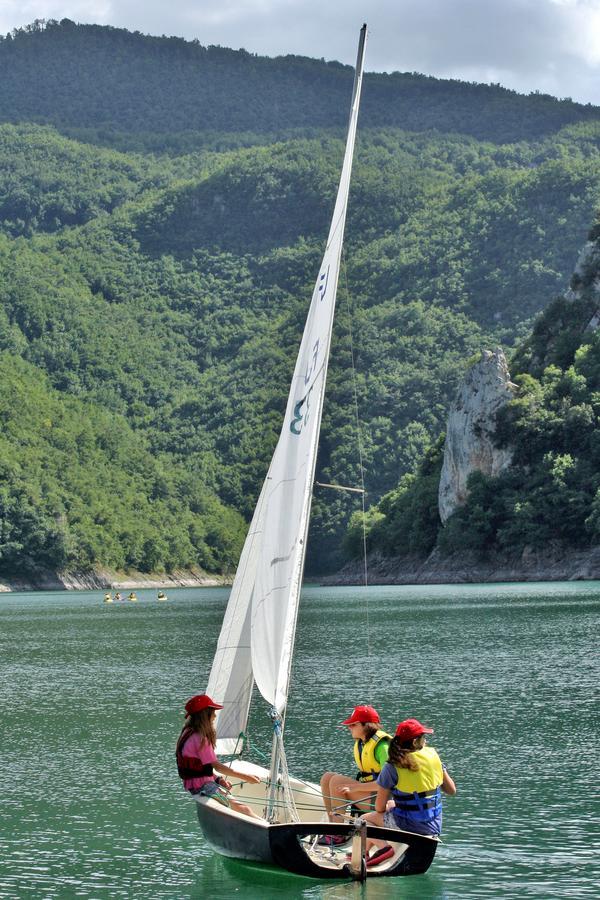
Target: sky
x=551 y=46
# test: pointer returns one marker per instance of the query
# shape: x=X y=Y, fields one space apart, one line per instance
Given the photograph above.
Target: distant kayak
x=161 y=596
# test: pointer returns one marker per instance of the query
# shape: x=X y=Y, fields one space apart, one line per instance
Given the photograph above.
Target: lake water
x=91 y=699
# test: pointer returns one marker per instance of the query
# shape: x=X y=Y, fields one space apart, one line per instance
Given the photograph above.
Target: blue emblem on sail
x=323 y=282
x=301 y=414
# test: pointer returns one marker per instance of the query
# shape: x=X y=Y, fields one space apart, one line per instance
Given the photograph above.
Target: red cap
x=411 y=728
x=362 y=714
x=199 y=702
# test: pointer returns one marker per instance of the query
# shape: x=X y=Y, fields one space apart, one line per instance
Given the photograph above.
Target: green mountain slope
x=103 y=79
x=79 y=488
x=169 y=289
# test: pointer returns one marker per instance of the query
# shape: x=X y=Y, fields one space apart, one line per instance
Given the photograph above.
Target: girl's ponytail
x=401 y=753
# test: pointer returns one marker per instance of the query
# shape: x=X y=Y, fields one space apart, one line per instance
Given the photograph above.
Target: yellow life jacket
x=364 y=756
x=428 y=776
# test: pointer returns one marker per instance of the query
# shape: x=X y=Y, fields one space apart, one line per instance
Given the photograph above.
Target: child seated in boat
x=196 y=758
x=414 y=778
x=370 y=755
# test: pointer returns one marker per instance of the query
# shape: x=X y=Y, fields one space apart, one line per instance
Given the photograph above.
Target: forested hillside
x=108 y=79
x=165 y=289
x=550 y=494
x=78 y=485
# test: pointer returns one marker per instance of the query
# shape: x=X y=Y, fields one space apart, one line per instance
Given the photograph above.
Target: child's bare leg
x=335 y=801
x=326 y=792
x=374 y=818
x=243 y=808
x=356 y=792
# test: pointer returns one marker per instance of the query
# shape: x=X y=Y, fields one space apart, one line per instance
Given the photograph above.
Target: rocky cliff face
x=471 y=424
x=553 y=563
x=586 y=278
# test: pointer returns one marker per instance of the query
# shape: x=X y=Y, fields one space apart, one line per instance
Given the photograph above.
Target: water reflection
x=260 y=881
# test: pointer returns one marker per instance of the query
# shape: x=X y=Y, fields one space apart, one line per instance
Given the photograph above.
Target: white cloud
x=587 y=34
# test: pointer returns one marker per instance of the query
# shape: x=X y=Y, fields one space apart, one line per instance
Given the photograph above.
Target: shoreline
x=553 y=563
x=107 y=580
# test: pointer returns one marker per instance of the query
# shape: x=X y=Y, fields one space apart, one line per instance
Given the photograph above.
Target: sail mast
x=257 y=636
x=289 y=495
x=335 y=243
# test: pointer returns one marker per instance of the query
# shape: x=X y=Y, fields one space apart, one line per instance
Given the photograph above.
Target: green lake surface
x=91 y=703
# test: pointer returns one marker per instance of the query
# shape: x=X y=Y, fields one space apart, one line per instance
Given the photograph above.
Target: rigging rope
x=360 y=461
x=288 y=795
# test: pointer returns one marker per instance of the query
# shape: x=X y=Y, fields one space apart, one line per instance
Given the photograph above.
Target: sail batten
x=263 y=608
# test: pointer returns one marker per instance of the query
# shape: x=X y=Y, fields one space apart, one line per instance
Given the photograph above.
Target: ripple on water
x=91 y=704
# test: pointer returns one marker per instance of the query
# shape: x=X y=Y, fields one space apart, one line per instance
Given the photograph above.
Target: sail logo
x=301 y=415
x=323 y=282
x=302 y=407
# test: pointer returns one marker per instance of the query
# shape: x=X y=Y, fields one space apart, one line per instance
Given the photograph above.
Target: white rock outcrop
x=471 y=424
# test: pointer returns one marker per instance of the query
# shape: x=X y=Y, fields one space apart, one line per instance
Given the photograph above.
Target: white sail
x=257 y=635
x=288 y=489
x=231 y=680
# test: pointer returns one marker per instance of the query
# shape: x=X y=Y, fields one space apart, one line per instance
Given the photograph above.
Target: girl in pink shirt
x=196 y=758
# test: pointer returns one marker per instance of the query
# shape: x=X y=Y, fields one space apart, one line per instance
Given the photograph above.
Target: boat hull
x=414 y=853
x=294 y=846
x=285 y=846
x=234 y=835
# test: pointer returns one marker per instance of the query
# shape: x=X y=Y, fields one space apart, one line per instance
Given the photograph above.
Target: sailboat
x=256 y=641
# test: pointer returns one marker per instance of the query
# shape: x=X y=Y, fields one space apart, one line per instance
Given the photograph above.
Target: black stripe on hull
x=289 y=853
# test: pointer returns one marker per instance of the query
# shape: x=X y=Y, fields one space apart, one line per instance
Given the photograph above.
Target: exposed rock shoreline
x=550 y=564
x=104 y=579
